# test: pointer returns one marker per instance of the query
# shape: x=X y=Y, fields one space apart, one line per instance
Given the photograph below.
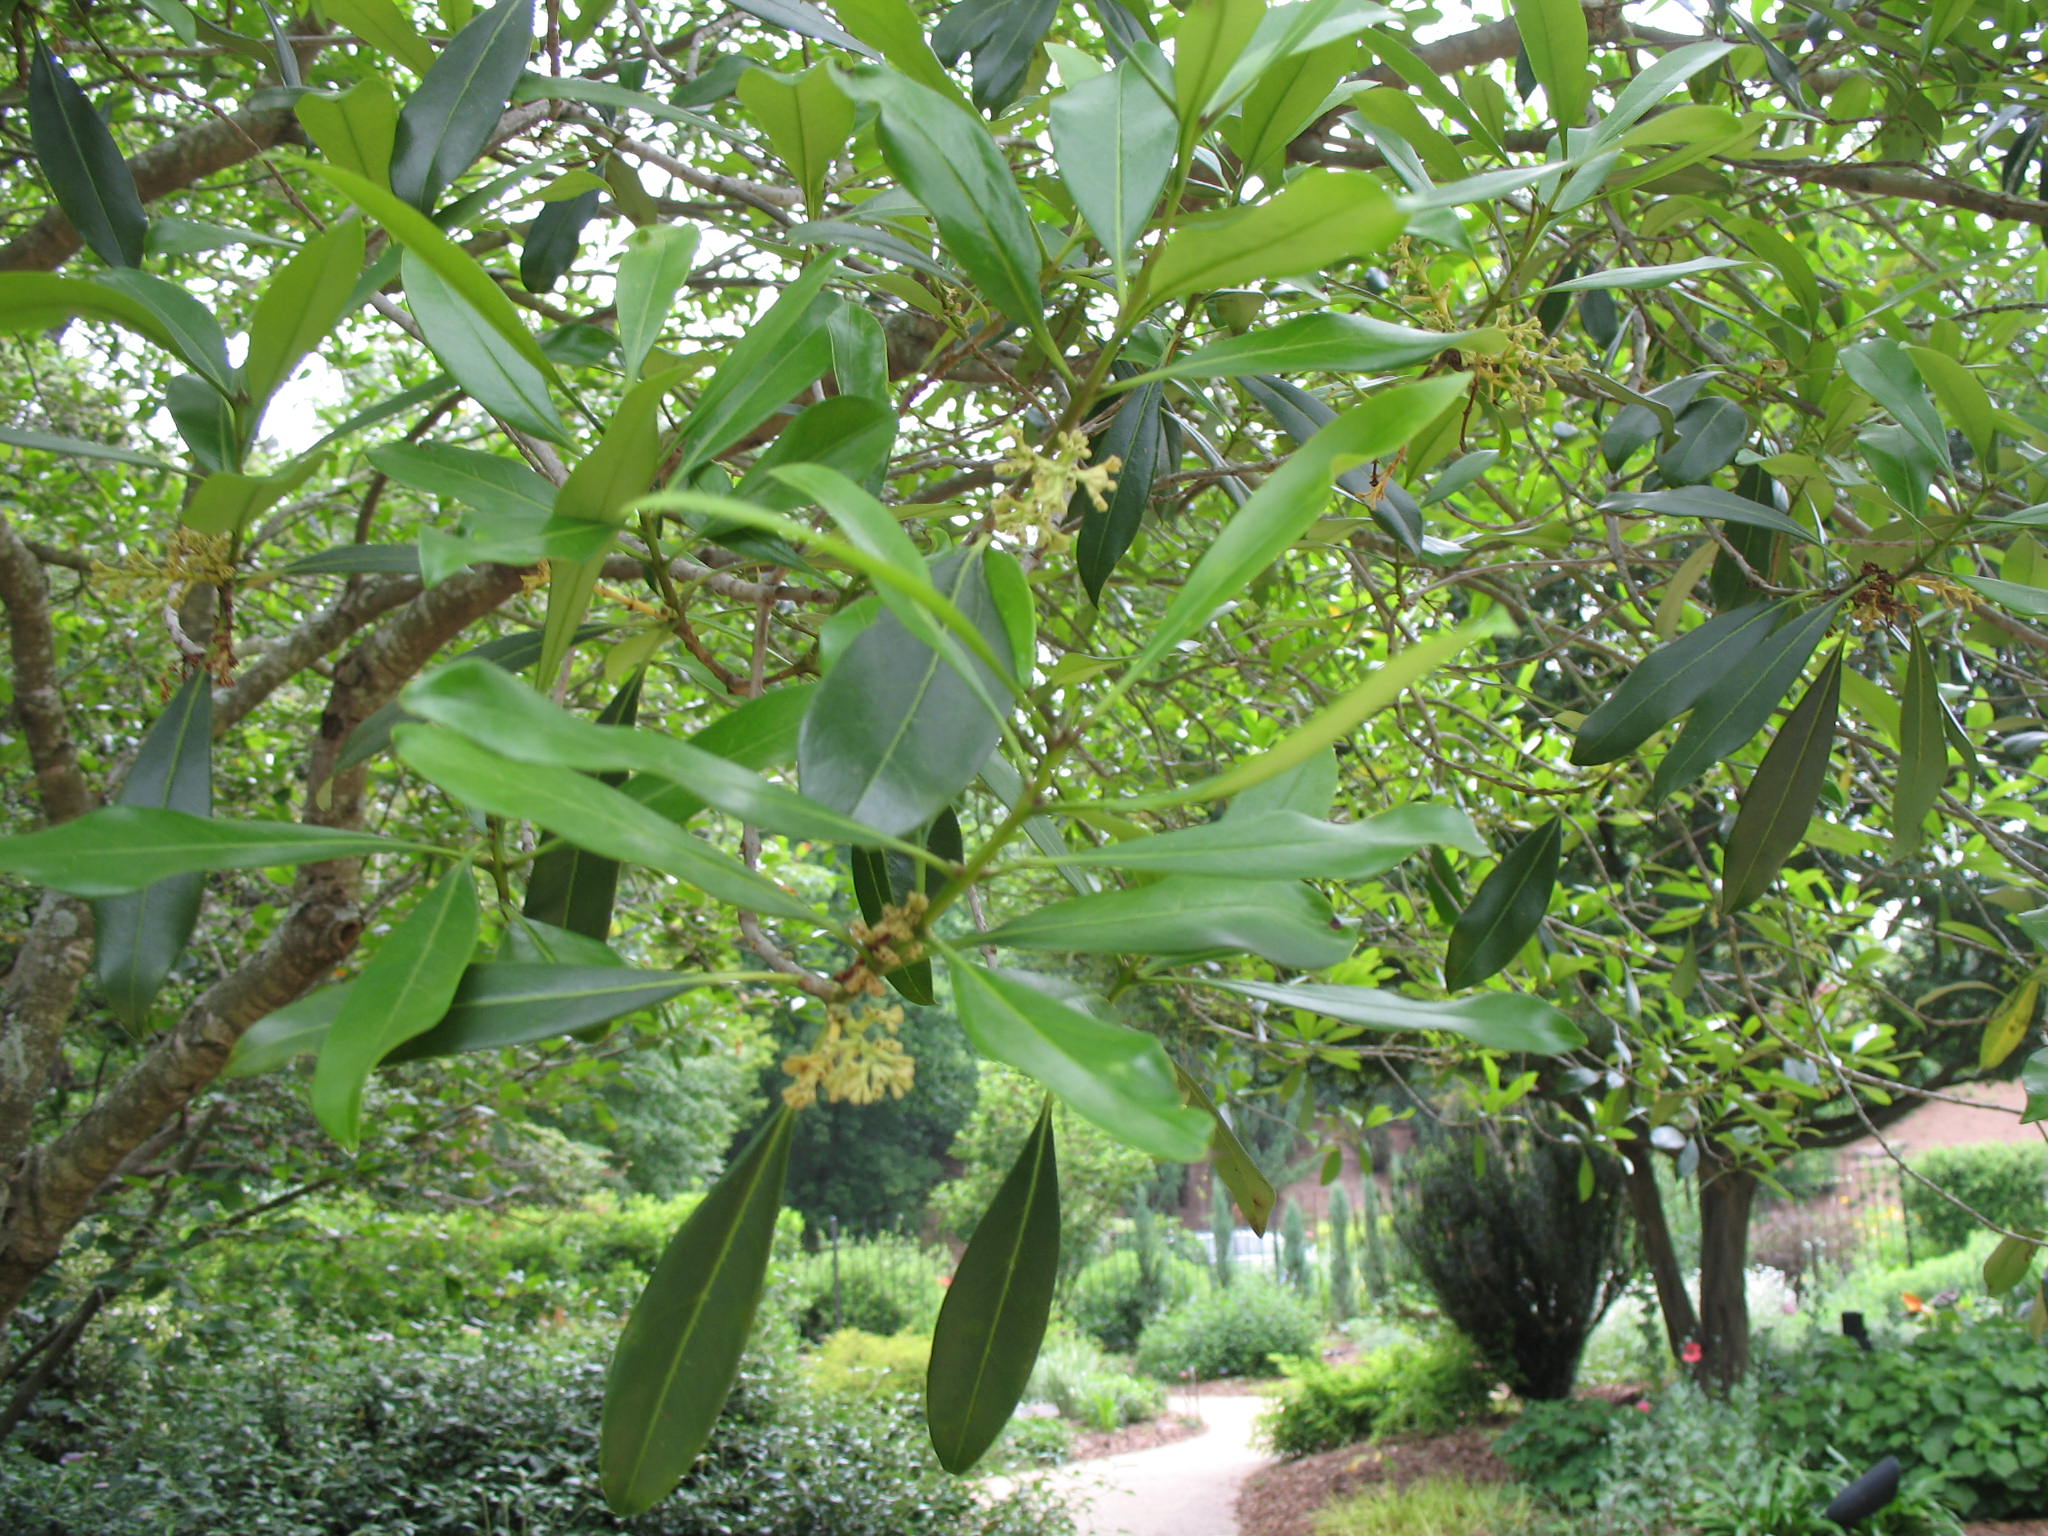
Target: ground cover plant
x=1232 y=551
x=1428 y=1387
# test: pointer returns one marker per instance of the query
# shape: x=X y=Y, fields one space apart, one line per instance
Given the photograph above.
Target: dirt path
x=1188 y=1488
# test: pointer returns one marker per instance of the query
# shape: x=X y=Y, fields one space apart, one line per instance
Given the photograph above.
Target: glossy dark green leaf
x=506 y=1003
x=680 y=1352
x=571 y=887
x=1113 y=137
x=402 y=991
x=553 y=239
x=951 y=165
x=1300 y=415
x=1599 y=317
x=1285 y=844
x=1506 y=910
x=894 y=732
x=1318 y=343
x=591 y=815
x=1884 y=370
x=1500 y=1021
x=1285 y=922
x=785 y=350
x=138 y=938
x=1729 y=585
x=188 y=325
x=994 y=1315
x=1782 y=793
x=129 y=847
x=1001 y=37
x=1106 y=1072
x=852 y=434
x=760 y=734
x=885 y=878
x=1710 y=433
x=1635 y=426
x=1735 y=707
x=83 y=165
x=1670 y=680
x=1704 y=501
x=490 y=369
x=1923 y=750
x=447 y=122
x=1134 y=440
x=1241 y=1175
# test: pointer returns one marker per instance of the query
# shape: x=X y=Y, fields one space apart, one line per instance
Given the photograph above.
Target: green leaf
x=302 y=302
x=402 y=991
x=503 y=1004
x=1248 y=1186
x=590 y=814
x=1290 y=500
x=893 y=30
x=1320 y=343
x=1114 y=141
x=808 y=120
x=894 y=732
x=572 y=888
x=680 y=1352
x=498 y=712
x=356 y=129
x=2032 y=601
x=1704 y=501
x=881 y=880
x=292 y=1030
x=2009 y=1024
x=553 y=239
x=373 y=735
x=1555 y=39
x=1923 y=750
x=1500 y=1021
x=495 y=374
x=1285 y=922
x=83 y=165
x=188 y=325
x=384 y=27
x=1652 y=85
x=1671 y=679
x=1001 y=36
x=849 y=436
x=1212 y=36
x=1646 y=277
x=1708 y=435
x=1308 y=787
x=1106 y=1072
x=760 y=734
x=1320 y=220
x=1506 y=910
x=652 y=271
x=42 y=301
x=138 y=938
x=488 y=482
x=994 y=1315
x=128 y=848
x=80 y=448
x=1289 y=95
x=2007 y=1264
x=781 y=353
x=1960 y=395
x=1782 y=793
x=950 y=164
x=447 y=122
x=1285 y=844
x=1735 y=706
x=1135 y=441
x=2034 y=1078
x=1883 y=370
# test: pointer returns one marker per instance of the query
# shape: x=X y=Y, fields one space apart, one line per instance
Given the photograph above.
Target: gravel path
x=1188 y=1488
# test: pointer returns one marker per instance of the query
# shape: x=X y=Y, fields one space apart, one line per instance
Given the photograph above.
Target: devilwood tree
x=562 y=481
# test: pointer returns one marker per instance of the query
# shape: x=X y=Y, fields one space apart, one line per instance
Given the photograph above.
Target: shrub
x=1518 y=1234
x=2000 y=1180
x=883 y=1285
x=1112 y=1299
x=466 y=1435
x=1435 y=1506
x=1431 y=1386
x=1230 y=1332
x=1559 y=1448
x=1965 y=1402
x=1090 y=1389
x=856 y=1364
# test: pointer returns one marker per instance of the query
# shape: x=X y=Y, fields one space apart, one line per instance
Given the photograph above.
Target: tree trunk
x=1726 y=1195
x=1646 y=1204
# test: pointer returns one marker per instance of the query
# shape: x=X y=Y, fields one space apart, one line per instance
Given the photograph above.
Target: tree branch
x=38 y=694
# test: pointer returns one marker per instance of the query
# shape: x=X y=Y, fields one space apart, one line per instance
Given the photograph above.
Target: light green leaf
x=1285 y=922
x=652 y=271
x=1500 y=1021
x=1320 y=343
x=808 y=120
x=2007 y=1264
x=1248 y=1186
x=1554 y=36
x=1108 y=1073
x=402 y=991
x=1960 y=395
x=494 y=373
x=781 y=353
x=384 y=27
x=80 y=448
x=488 y=482
x=1658 y=80
x=680 y=1352
x=2032 y=601
x=2009 y=1024
x=1320 y=220
x=1284 y=844
x=1646 y=277
x=1114 y=140
x=1782 y=793
x=127 y=848
x=193 y=333
x=302 y=302
x=355 y=129
x=1212 y=36
x=893 y=30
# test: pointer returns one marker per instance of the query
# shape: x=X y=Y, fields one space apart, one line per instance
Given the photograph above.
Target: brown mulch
x=1282 y=1500
x=1164 y=1430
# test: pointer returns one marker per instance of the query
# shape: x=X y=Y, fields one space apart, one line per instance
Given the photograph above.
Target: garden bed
x=1282 y=1500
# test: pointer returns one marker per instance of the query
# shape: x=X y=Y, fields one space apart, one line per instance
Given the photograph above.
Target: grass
x=1437 y=1506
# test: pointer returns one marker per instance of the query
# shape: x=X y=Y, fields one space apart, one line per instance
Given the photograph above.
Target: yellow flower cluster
x=191 y=559
x=1051 y=479
x=852 y=1062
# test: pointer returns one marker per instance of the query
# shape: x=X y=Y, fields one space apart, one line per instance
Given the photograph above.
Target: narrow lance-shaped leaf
x=1500 y=1021
x=553 y=238
x=492 y=371
x=1319 y=220
x=2009 y=1024
x=83 y=165
x=680 y=1352
x=300 y=305
x=1782 y=794
x=1284 y=844
x=884 y=878
x=1556 y=41
x=572 y=887
x=994 y=1315
x=1884 y=370
x=1923 y=749
x=1134 y=441
x=1670 y=680
x=1248 y=1186
x=450 y=118
x=1505 y=911
x=355 y=129
x=1286 y=922
x=128 y=847
x=652 y=272
x=1114 y=138
x=402 y=991
x=138 y=938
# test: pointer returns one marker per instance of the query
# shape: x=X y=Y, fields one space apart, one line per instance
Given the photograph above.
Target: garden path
x=1188 y=1488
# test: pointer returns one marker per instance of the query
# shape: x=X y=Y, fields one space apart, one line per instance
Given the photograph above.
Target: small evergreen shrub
x=1230 y=1332
x=1111 y=1299
x=855 y=1364
x=1431 y=1386
x=1090 y=1389
x=1343 y=1274
x=2001 y=1180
